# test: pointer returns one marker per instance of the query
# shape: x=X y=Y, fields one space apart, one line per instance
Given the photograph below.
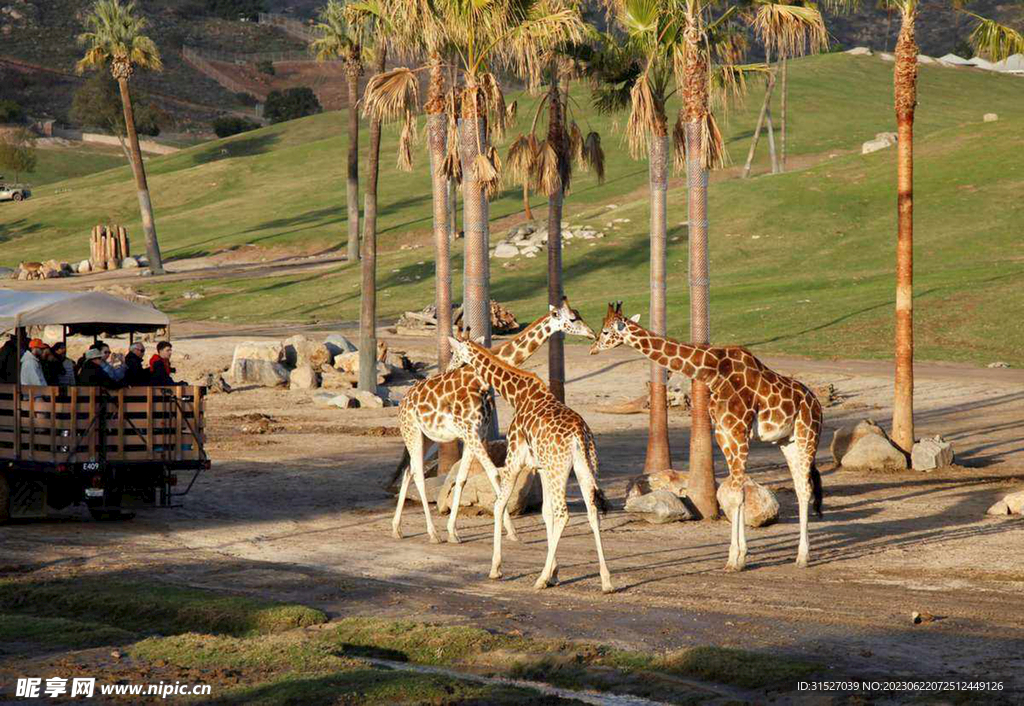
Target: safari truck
x=14 y=192
x=72 y=445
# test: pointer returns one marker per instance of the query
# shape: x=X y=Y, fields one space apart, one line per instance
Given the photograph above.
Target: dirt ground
x=300 y=514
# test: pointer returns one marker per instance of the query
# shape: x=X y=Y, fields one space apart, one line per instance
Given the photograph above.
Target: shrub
x=236 y=9
x=291 y=104
x=246 y=99
x=266 y=67
x=228 y=125
x=11 y=112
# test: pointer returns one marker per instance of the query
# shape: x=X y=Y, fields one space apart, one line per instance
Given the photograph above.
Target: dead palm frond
x=712 y=146
x=408 y=136
x=493 y=185
x=521 y=158
x=511 y=112
x=391 y=95
x=679 y=145
x=548 y=172
x=593 y=155
x=646 y=117
x=451 y=167
x=789 y=30
x=996 y=40
x=576 y=143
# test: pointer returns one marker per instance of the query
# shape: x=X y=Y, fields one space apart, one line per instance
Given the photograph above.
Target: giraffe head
x=565 y=318
x=613 y=329
x=461 y=351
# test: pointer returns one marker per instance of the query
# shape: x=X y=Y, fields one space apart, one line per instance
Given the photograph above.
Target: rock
x=322 y=398
x=760 y=506
x=332 y=379
x=990 y=117
x=891 y=137
x=271 y=351
x=672 y=481
x=1000 y=508
x=530 y=250
x=478 y=494
x=215 y=382
x=859 y=51
x=191 y=295
x=337 y=344
x=844 y=437
x=84 y=267
x=299 y=350
x=367 y=399
x=1015 y=502
x=348 y=363
x=113 y=263
x=258 y=372
x=874 y=453
x=343 y=401
x=999 y=364
x=505 y=250
x=658 y=507
x=304 y=377
x=932 y=453
x=129 y=263
x=873 y=146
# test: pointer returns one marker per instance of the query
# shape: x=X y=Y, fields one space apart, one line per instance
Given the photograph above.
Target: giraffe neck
x=524 y=345
x=516 y=386
x=695 y=362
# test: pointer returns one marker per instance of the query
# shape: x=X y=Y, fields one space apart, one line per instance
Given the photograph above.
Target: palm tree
x=115 y=37
x=996 y=40
x=547 y=165
x=336 y=38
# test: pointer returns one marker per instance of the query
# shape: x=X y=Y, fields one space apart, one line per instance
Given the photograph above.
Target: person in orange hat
x=31 y=363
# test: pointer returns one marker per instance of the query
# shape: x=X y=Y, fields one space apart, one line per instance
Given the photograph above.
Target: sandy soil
x=300 y=514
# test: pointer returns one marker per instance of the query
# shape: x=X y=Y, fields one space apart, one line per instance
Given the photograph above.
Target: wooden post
x=149 y=422
x=73 y=441
x=53 y=423
x=120 y=422
x=122 y=240
x=178 y=414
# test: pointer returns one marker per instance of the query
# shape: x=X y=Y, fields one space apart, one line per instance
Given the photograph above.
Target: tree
x=97 y=103
x=11 y=112
x=228 y=125
x=116 y=39
x=336 y=38
x=291 y=104
x=18 y=152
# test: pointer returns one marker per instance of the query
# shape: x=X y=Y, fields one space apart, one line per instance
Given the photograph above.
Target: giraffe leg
x=508 y=480
x=559 y=519
x=396 y=524
x=460 y=481
x=416 y=470
x=732 y=440
x=588 y=486
x=477 y=447
x=800 y=469
x=549 y=518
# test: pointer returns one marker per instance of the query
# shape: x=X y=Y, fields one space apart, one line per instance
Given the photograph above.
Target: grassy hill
x=801 y=262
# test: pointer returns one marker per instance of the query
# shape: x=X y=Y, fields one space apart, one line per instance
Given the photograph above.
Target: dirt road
x=300 y=514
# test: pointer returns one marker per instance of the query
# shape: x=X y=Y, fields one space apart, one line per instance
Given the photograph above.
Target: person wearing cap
x=31 y=363
x=91 y=373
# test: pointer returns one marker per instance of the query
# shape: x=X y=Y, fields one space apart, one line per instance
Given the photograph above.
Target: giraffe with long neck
x=546 y=435
x=457 y=405
x=744 y=392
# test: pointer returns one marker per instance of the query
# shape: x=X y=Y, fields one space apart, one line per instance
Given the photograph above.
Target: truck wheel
x=5 y=498
x=16 y=196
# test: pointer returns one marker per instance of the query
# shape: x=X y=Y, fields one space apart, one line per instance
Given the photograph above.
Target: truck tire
x=16 y=196
x=5 y=498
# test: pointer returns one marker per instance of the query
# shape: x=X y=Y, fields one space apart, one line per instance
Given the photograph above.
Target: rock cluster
x=658 y=497
x=424 y=321
x=51 y=269
x=528 y=239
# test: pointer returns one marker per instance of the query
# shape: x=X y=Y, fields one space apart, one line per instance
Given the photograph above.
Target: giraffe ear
x=454 y=343
x=551 y=308
x=635 y=318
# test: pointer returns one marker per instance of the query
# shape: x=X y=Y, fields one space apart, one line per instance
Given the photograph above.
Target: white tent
x=1012 y=64
x=88 y=313
x=954 y=59
x=982 y=63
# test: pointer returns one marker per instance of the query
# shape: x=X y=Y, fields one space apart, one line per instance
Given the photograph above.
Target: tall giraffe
x=456 y=404
x=546 y=435
x=744 y=391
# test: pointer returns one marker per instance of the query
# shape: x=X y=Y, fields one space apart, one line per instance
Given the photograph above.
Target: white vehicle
x=14 y=192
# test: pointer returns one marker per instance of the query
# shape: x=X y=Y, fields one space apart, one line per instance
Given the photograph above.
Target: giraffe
x=547 y=435
x=456 y=404
x=746 y=398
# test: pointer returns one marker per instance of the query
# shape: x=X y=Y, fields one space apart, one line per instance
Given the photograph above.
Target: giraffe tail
x=816 y=488
x=600 y=501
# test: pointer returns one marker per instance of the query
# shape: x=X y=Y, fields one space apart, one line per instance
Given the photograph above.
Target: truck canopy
x=85 y=313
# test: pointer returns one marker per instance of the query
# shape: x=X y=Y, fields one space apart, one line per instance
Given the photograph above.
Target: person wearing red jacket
x=160 y=369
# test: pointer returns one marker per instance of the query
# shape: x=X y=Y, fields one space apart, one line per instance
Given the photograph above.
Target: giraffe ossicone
x=744 y=391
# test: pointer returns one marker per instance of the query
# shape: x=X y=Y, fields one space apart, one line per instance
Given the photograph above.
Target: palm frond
x=576 y=144
x=493 y=185
x=405 y=141
x=645 y=117
x=548 y=172
x=521 y=158
x=593 y=155
x=679 y=145
x=391 y=95
x=116 y=31
x=995 y=40
x=789 y=30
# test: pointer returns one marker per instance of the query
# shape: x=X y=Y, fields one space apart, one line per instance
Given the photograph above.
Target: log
x=122 y=240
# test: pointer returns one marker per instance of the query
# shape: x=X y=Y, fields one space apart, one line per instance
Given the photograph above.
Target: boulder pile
x=659 y=497
x=528 y=239
x=51 y=269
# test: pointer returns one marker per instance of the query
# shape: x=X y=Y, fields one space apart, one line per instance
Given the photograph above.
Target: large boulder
x=844 y=437
x=1012 y=504
x=760 y=506
x=338 y=344
x=505 y=250
x=478 y=495
x=931 y=453
x=84 y=267
x=349 y=363
x=129 y=263
x=304 y=377
x=874 y=453
x=332 y=379
x=658 y=507
x=299 y=350
x=672 y=481
x=258 y=372
x=272 y=351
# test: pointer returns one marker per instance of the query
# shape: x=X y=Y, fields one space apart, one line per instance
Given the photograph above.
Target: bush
x=97 y=103
x=236 y=9
x=228 y=125
x=291 y=104
x=11 y=112
x=266 y=67
x=246 y=99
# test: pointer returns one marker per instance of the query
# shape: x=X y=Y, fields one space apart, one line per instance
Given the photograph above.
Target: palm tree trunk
x=437 y=132
x=368 y=303
x=905 y=94
x=476 y=275
x=353 y=163
x=659 y=456
x=770 y=129
x=765 y=111
x=785 y=95
x=556 y=136
x=156 y=263
x=526 y=201
x=453 y=210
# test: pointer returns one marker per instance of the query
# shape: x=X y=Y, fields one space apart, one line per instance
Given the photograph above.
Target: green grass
x=32 y=631
x=802 y=263
x=55 y=165
x=153 y=607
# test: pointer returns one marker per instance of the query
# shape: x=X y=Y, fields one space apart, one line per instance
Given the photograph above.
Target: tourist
x=31 y=363
x=58 y=369
x=135 y=365
x=160 y=369
x=92 y=373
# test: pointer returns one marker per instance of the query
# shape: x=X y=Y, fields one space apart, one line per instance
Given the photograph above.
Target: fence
x=228 y=57
x=197 y=61
x=299 y=30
